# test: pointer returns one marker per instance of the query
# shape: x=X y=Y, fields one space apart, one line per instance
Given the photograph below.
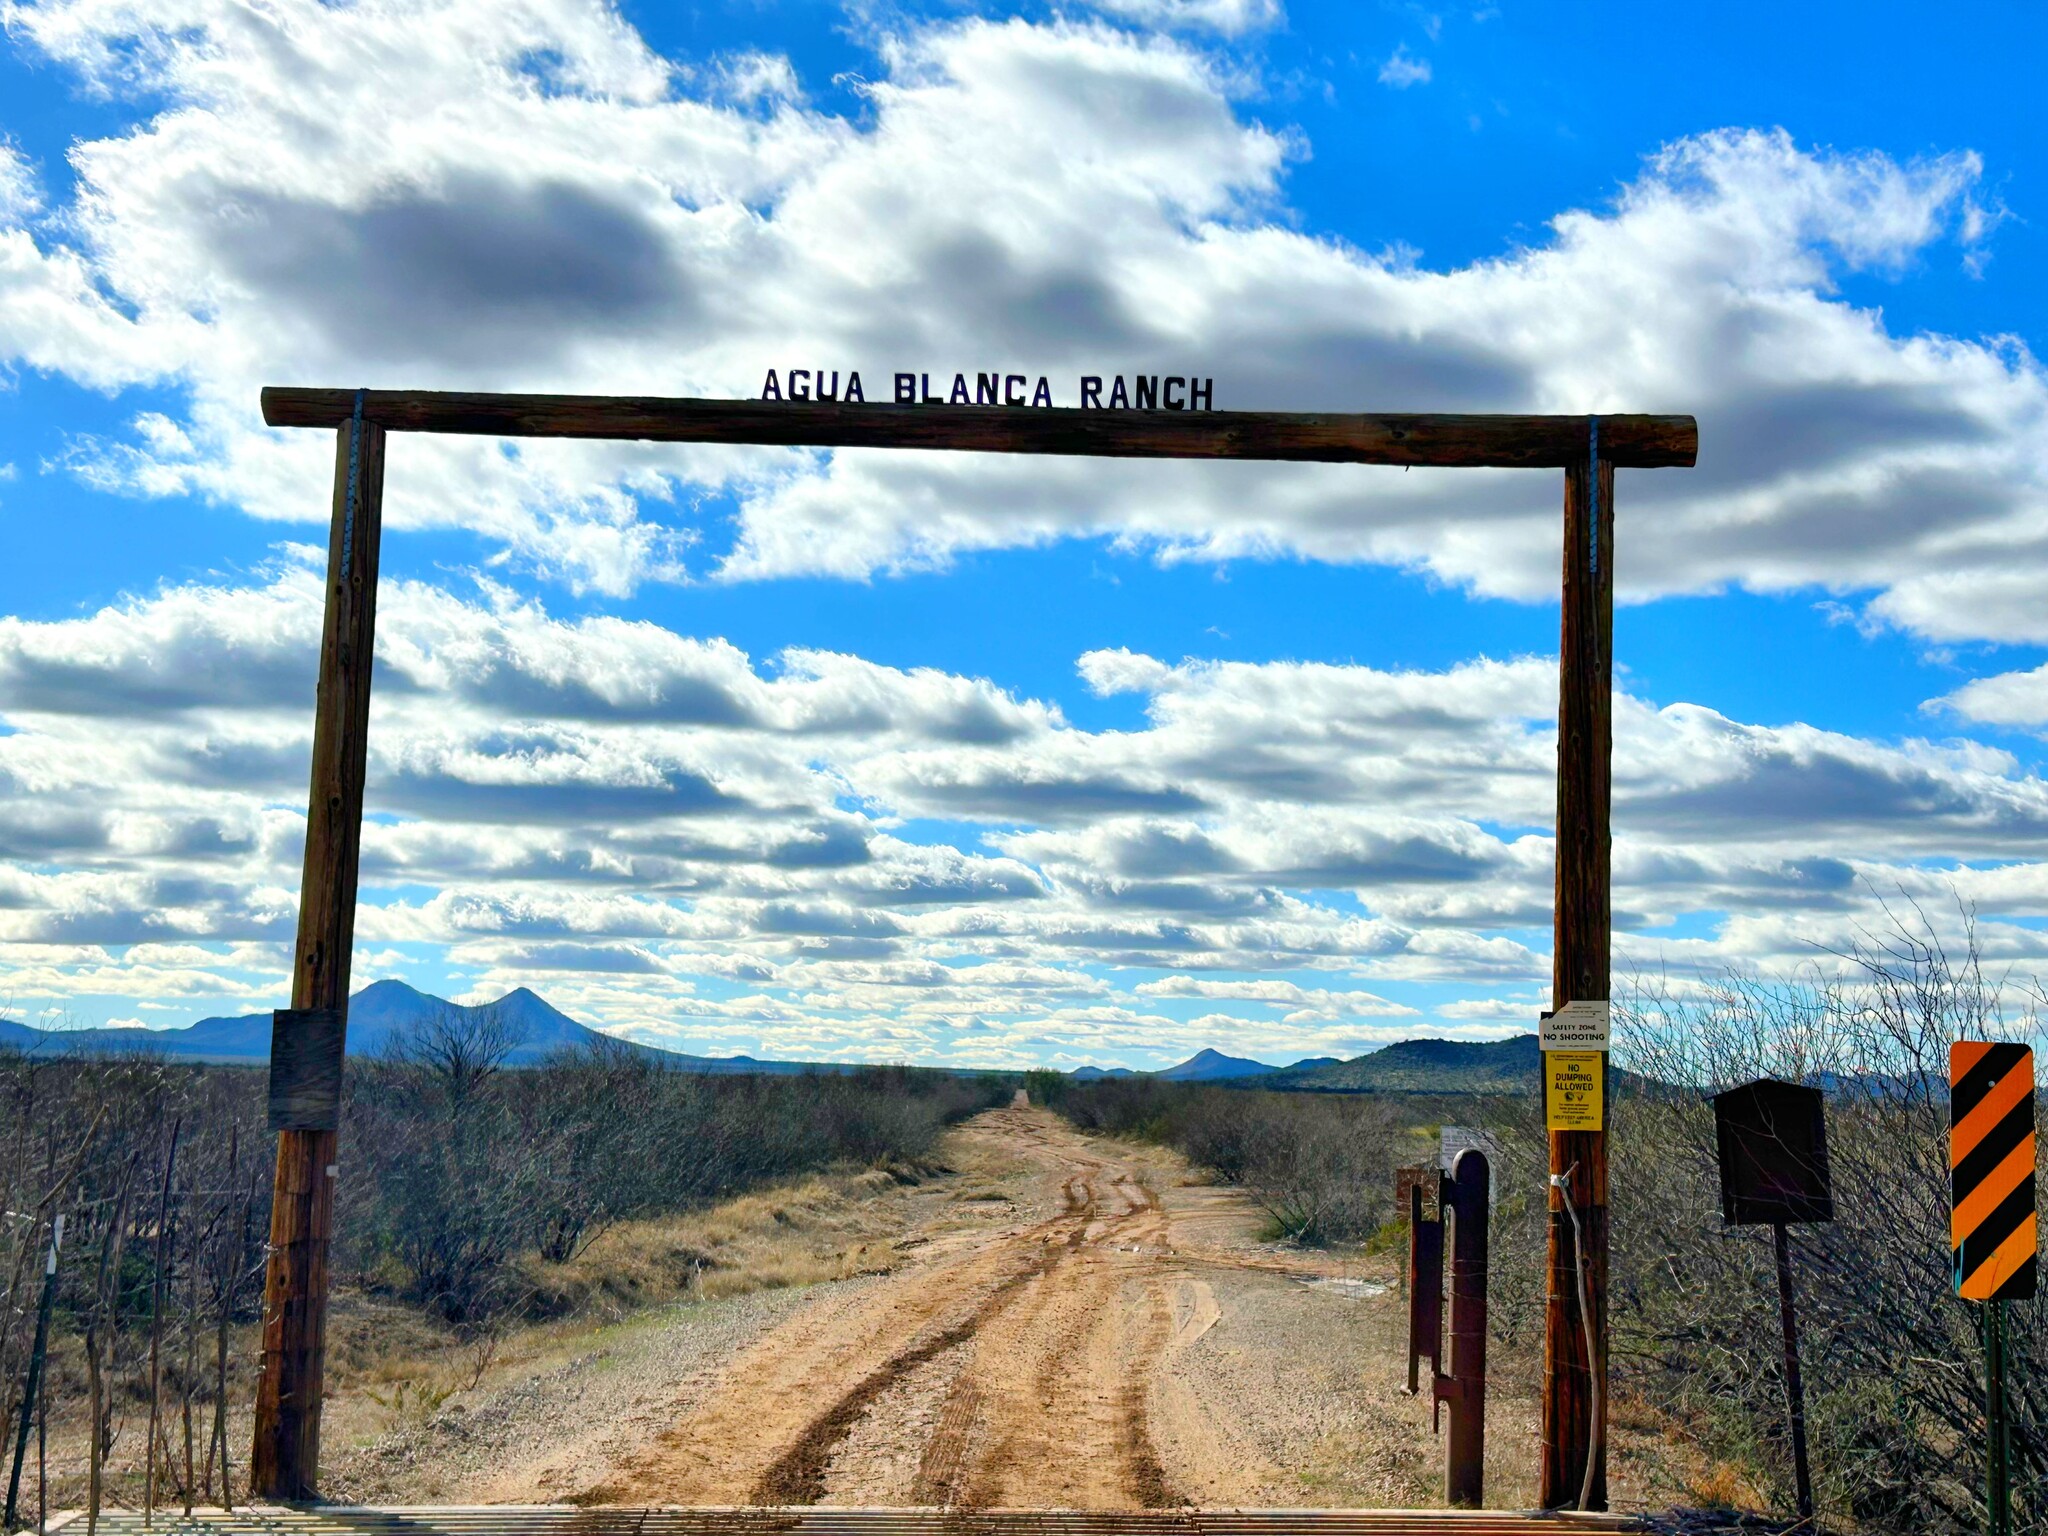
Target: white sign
x=1454 y=1139
x=1576 y=1027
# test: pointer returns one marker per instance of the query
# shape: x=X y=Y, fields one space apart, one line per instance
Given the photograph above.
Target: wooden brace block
x=305 y=1068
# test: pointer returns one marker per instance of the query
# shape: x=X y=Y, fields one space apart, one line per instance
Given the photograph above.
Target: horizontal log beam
x=1515 y=442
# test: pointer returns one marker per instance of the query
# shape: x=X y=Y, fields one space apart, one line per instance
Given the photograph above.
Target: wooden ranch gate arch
x=1588 y=449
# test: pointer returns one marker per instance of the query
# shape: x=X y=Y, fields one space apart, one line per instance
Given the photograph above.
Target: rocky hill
x=1425 y=1066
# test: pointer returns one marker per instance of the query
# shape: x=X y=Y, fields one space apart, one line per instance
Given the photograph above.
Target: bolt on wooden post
x=285 y=1459
x=1579 y=973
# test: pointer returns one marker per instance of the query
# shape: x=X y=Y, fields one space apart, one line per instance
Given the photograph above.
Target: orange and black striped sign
x=1991 y=1169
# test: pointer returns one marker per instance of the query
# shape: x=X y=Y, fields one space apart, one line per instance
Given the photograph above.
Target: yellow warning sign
x=1571 y=1090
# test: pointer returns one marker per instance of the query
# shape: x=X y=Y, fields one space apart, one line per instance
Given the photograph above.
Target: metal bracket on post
x=1466 y=1198
x=305 y=1068
x=1425 y=1288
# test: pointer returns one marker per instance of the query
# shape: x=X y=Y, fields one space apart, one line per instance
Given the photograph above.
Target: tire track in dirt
x=1050 y=1432
x=766 y=1398
x=797 y=1476
x=1024 y=1361
x=941 y=1472
x=1146 y=1477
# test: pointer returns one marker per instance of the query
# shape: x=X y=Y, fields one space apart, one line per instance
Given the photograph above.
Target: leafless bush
x=453 y=1166
x=1321 y=1166
x=154 y=1255
x=1892 y=1360
x=439 y=1164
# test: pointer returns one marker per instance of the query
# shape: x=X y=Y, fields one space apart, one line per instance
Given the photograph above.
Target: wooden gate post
x=1579 y=973
x=285 y=1461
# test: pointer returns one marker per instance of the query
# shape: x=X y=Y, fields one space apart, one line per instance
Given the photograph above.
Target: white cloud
x=1231 y=18
x=606 y=229
x=2009 y=698
x=668 y=832
x=753 y=77
x=1305 y=1004
x=20 y=197
x=654 y=830
x=1402 y=69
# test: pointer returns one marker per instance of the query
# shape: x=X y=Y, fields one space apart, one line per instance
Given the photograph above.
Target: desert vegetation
x=1892 y=1360
x=465 y=1185
x=1319 y=1165
x=475 y=1196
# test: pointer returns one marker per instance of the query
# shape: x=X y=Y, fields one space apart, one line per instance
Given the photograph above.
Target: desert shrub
x=1046 y=1087
x=1891 y=1359
x=453 y=1165
x=1320 y=1165
x=157 y=1171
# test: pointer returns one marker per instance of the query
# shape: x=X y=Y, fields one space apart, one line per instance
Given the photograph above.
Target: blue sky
x=980 y=760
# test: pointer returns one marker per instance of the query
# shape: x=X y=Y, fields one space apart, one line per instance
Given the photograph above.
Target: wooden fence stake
x=285 y=1459
x=1579 y=973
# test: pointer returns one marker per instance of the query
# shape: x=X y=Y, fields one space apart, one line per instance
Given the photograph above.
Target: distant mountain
x=1413 y=1066
x=383 y=1013
x=379 y=1018
x=1425 y=1066
x=1209 y=1066
x=208 y=1040
x=1205 y=1066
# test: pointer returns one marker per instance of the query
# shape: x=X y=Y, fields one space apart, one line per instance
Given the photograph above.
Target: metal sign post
x=1772 y=1139
x=1997 y=1425
x=1993 y=1225
x=1464 y=1201
x=1425 y=1286
x=1467 y=1195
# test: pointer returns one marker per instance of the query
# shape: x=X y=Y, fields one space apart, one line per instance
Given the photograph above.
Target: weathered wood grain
x=306 y=1049
x=285 y=1460
x=1635 y=442
x=1581 y=919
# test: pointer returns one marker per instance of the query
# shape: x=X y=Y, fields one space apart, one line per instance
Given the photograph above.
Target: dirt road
x=1072 y=1323
x=1007 y=1368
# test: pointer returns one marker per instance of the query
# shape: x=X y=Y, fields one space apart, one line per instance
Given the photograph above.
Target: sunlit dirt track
x=1058 y=1321
x=1021 y=1363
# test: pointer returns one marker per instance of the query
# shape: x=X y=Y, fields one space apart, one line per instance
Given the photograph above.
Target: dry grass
x=392 y=1364
x=395 y=1366
x=826 y=1227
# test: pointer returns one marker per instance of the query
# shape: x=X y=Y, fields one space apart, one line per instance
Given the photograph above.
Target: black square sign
x=1774 y=1154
